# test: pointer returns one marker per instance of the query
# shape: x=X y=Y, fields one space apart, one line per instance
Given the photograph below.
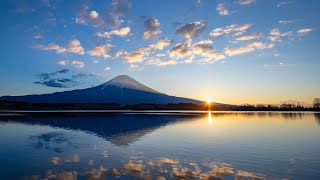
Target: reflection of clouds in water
x=55 y=160
x=53 y=141
x=248 y=175
x=96 y=173
x=66 y=175
x=73 y=158
x=160 y=169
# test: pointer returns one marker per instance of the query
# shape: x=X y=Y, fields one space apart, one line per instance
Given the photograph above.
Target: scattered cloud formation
x=222 y=10
x=100 y=51
x=119 y=32
x=276 y=35
x=140 y=54
x=152 y=28
x=202 y=49
x=304 y=31
x=246 y=2
x=192 y=29
x=74 y=46
x=253 y=46
x=249 y=37
x=234 y=28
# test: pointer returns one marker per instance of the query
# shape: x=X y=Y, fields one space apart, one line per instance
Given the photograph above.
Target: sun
x=209 y=101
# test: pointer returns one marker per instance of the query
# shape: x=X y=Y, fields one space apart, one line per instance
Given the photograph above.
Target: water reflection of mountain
x=119 y=129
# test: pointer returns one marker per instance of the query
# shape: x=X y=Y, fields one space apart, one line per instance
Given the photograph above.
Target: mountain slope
x=121 y=90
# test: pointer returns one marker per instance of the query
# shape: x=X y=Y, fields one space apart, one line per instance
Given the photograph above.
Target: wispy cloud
x=246 y=2
x=276 y=35
x=250 y=37
x=253 y=46
x=222 y=10
x=286 y=21
x=234 y=28
x=284 y=3
x=304 y=31
x=51 y=47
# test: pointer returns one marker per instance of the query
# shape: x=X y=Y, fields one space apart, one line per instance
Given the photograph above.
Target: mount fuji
x=121 y=90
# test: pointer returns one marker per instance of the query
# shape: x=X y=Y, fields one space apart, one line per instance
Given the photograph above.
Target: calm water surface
x=154 y=145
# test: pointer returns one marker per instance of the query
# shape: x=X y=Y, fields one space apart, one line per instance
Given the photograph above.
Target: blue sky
x=241 y=51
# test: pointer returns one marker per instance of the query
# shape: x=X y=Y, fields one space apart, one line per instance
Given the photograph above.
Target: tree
x=316 y=103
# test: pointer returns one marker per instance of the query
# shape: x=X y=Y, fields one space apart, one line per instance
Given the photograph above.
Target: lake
x=160 y=145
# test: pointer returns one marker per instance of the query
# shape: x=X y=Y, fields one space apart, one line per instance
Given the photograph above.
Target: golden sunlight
x=209 y=117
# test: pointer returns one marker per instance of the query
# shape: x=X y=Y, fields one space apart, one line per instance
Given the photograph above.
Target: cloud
x=206 y=51
x=152 y=28
x=119 y=32
x=100 y=51
x=86 y=18
x=249 y=37
x=192 y=29
x=180 y=50
x=51 y=47
x=253 y=46
x=284 y=3
x=246 y=2
x=286 y=21
x=304 y=31
x=222 y=10
x=140 y=54
x=58 y=83
x=94 y=15
x=135 y=67
x=59 y=79
x=108 y=68
x=118 y=54
x=159 y=45
x=119 y=8
x=276 y=35
x=78 y=64
x=202 y=46
x=159 y=62
x=134 y=57
x=202 y=49
x=62 y=62
x=74 y=46
x=234 y=28
x=38 y=36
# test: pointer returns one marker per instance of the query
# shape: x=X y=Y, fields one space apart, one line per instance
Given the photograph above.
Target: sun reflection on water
x=209 y=117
